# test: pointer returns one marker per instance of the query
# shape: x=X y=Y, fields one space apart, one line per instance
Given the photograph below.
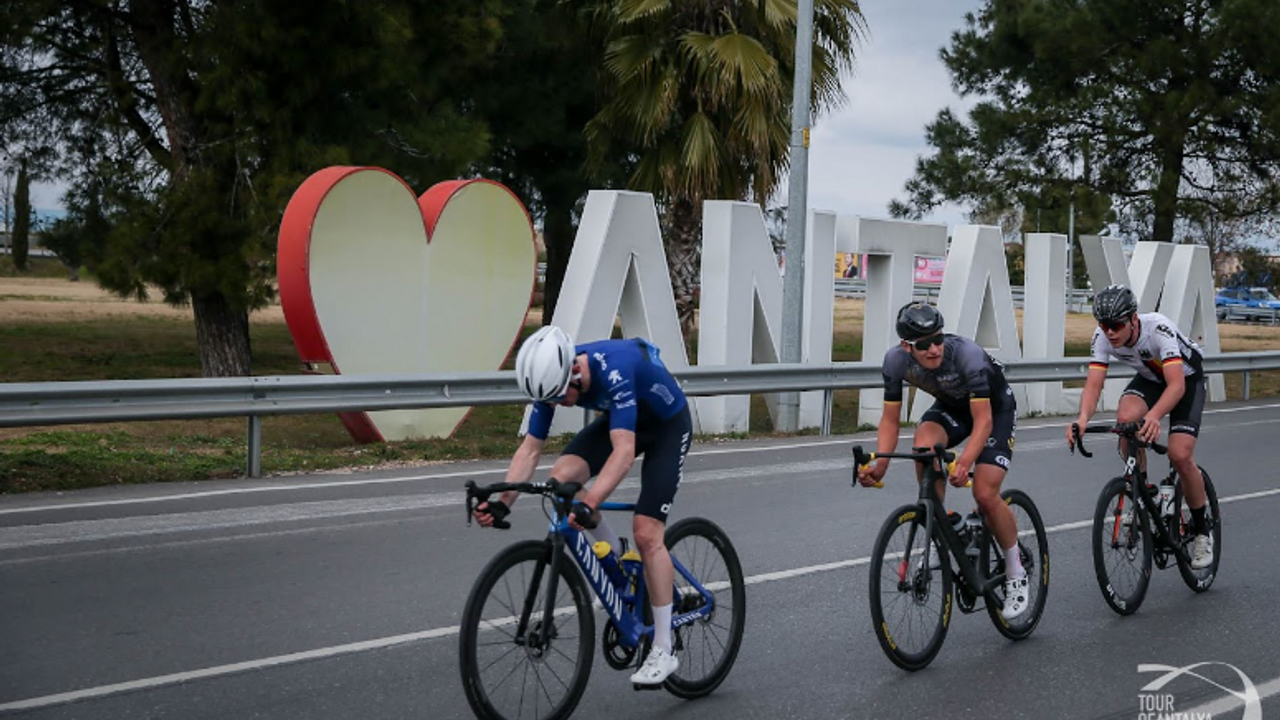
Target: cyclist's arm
x=615 y=468
x=980 y=410
x=523 y=464
x=887 y=435
x=1175 y=385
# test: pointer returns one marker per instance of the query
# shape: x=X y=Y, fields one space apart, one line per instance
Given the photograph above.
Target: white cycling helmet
x=544 y=364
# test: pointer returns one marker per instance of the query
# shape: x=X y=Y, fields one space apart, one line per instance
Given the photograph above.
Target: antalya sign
x=373 y=280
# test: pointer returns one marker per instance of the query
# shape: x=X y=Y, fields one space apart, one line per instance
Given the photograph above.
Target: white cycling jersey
x=1159 y=343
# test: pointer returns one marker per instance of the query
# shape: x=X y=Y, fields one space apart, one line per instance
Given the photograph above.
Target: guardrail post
x=828 y=399
x=1246 y=384
x=255 y=447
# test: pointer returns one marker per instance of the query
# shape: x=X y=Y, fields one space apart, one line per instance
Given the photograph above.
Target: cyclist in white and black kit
x=973 y=401
x=643 y=412
x=1170 y=381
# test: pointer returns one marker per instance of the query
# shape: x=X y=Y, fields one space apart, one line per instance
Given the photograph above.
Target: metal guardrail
x=65 y=403
x=1077 y=300
x=1240 y=313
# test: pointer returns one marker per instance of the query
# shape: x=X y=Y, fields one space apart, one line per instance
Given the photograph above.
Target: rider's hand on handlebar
x=487 y=513
x=871 y=474
x=584 y=517
x=1072 y=429
x=1149 y=432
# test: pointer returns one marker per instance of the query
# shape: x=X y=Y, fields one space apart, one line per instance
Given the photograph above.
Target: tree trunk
x=18 y=241
x=223 y=336
x=1165 y=200
x=684 y=259
x=558 y=234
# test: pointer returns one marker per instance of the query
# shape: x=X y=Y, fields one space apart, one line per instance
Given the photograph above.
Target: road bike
x=1136 y=523
x=912 y=580
x=528 y=629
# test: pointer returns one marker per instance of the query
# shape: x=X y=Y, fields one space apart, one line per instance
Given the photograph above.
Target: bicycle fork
x=538 y=638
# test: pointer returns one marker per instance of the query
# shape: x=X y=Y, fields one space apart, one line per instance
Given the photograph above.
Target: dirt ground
x=42 y=300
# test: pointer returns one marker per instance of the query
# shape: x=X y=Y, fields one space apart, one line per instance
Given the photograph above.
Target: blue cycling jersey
x=628 y=381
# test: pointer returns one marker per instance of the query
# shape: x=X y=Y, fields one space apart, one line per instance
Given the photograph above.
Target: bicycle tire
x=493 y=608
x=1121 y=549
x=1200 y=580
x=926 y=596
x=706 y=552
x=1033 y=545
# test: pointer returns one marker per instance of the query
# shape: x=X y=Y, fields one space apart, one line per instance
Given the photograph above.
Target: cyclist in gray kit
x=973 y=401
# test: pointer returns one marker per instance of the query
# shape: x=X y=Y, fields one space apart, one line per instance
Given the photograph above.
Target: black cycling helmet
x=1114 y=303
x=917 y=320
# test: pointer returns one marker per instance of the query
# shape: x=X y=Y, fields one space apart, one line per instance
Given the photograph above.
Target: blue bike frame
x=623 y=606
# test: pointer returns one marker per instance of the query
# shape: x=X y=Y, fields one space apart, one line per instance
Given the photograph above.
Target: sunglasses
x=1113 y=325
x=925 y=343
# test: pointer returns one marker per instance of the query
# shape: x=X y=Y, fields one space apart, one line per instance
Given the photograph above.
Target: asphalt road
x=339 y=595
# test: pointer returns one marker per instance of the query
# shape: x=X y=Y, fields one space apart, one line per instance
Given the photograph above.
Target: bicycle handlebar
x=862 y=460
x=477 y=494
x=1128 y=430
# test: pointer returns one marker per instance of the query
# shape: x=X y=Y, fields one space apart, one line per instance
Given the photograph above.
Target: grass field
x=52 y=329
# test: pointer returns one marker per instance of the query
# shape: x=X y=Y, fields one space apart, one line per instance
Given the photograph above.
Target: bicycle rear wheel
x=1200 y=580
x=1033 y=549
x=534 y=670
x=1121 y=547
x=708 y=646
x=910 y=600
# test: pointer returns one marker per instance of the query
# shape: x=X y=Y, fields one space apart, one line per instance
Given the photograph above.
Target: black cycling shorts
x=1185 y=416
x=958 y=422
x=663 y=448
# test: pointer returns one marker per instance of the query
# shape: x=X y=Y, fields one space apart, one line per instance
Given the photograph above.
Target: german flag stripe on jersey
x=1095 y=365
x=1172 y=361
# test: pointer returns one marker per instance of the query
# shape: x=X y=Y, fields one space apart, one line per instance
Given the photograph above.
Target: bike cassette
x=616 y=655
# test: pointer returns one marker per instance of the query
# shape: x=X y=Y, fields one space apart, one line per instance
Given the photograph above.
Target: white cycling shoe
x=1016 y=598
x=1202 y=552
x=656 y=669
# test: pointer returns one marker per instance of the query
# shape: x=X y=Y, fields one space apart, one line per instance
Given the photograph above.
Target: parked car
x=1249 y=298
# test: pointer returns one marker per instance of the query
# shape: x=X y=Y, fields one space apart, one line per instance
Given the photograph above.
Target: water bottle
x=1166 y=499
x=609 y=561
x=631 y=568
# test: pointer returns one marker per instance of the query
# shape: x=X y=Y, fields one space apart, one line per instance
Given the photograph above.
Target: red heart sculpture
x=374 y=280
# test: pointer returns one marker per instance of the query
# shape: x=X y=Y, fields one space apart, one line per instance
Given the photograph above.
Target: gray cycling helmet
x=1114 y=303
x=917 y=320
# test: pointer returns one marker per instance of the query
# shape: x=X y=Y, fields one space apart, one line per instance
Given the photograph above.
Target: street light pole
x=797 y=213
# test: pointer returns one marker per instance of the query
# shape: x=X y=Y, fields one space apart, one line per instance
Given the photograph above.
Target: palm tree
x=697 y=94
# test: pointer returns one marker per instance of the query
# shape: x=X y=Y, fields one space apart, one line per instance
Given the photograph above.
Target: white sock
x=1013 y=563
x=605 y=532
x=662 y=627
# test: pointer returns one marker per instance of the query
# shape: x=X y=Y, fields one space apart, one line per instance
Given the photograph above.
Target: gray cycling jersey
x=967 y=373
x=1159 y=343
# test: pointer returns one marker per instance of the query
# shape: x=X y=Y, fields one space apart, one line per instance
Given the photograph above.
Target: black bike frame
x=935 y=514
x=1132 y=454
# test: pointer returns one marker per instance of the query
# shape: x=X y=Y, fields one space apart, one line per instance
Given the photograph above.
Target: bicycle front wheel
x=518 y=664
x=1200 y=580
x=1033 y=550
x=708 y=646
x=910 y=598
x=1121 y=547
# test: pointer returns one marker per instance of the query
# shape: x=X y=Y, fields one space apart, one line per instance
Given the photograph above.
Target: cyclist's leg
x=1184 y=428
x=664 y=452
x=988 y=475
x=1139 y=397
x=938 y=425
x=582 y=460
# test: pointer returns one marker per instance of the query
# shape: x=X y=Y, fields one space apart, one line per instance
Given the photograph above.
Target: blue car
x=1247 y=299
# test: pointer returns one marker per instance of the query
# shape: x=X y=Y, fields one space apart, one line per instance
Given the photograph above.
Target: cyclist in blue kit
x=644 y=412
x=973 y=401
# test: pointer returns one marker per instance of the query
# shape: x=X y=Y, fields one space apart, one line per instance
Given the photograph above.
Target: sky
x=861 y=156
